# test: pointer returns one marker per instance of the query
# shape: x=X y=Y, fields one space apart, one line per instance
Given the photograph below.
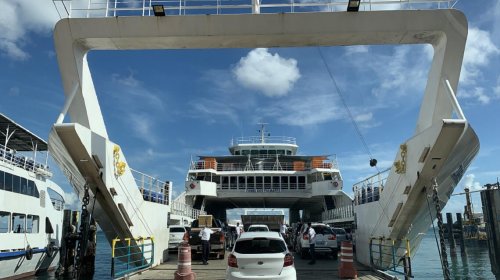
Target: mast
x=262 y=132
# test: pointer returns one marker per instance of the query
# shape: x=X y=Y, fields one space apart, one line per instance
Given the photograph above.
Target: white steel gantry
x=441 y=148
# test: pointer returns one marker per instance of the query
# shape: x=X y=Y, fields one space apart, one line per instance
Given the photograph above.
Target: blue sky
x=164 y=107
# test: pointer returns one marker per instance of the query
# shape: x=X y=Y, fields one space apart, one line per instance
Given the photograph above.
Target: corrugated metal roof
x=22 y=139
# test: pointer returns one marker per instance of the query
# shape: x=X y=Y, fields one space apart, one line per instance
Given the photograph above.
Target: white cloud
x=478 y=52
x=363 y=117
x=143 y=126
x=270 y=74
x=71 y=200
x=469 y=182
x=350 y=50
x=21 y=17
x=477 y=93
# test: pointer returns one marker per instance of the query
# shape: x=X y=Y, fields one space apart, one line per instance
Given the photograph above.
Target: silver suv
x=326 y=240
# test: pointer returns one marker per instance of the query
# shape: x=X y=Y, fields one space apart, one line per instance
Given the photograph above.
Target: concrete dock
x=325 y=268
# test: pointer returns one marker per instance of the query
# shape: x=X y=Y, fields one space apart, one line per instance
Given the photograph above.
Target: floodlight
x=353 y=5
x=158 y=10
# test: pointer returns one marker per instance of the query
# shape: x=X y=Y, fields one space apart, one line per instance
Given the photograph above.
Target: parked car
x=260 y=255
x=326 y=240
x=253 y=228
x=176 y=236
x=341 y=235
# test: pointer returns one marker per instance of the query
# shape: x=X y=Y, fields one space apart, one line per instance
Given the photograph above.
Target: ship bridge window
x=16 y=183
x=245 y=152
x=271 y=152
x=8 y=182
x=254 y=152
x=280 y=152
x=237 y=153
x=18 y=222
x=262 y=152
x=327 y=176
x=33 y=224
x=288 y=152
x=4 y=221
x=56 y=199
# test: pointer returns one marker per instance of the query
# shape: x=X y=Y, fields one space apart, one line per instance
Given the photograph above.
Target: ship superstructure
x=266 y=172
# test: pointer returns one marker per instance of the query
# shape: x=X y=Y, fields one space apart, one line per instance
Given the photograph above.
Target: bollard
x=184 y=263
x=346 y=269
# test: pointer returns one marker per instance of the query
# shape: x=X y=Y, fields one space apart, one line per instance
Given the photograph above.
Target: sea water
x=425 y=265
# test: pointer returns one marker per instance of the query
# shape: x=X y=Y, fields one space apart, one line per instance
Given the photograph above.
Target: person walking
x=283 y=231
x=312 y=239
x=205 y=243
x=238 y=230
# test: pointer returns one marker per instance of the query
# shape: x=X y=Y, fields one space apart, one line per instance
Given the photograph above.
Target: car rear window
x=257 y=229
x=339 y=231
x=260 y=246
x=322 y=230
x=177 y=229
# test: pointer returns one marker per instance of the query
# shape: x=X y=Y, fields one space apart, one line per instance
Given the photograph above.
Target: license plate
x=321 y=243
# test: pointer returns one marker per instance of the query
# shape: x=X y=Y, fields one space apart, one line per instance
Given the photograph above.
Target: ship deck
x=325 y=268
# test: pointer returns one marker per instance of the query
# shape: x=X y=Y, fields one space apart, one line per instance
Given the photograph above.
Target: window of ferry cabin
x=4 y=221
x=18 y=222
x=33 y=224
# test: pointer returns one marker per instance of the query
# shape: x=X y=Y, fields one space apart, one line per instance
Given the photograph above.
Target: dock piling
x=461 y=234
x=490 y=199
x=449 y=226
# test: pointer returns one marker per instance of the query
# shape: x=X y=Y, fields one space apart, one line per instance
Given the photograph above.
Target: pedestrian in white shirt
x=205 y=243
x=283 y=230
x=238 y=230
x=312 y=239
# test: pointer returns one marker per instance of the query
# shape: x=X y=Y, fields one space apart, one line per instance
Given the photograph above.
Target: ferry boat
x=266 y=172
x=31 y=205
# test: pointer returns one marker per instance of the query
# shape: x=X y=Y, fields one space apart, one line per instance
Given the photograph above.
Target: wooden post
x=449 y=226
x=461 y=234
x=490 y=199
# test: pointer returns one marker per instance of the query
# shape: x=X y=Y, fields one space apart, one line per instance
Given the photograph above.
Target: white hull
x=20 y=267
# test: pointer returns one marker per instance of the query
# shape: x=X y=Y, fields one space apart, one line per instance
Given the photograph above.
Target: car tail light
x=222 y=238
x=305 y=236
x=186 y=236
x=332 y=237
x=232 y=261
x=288 y=260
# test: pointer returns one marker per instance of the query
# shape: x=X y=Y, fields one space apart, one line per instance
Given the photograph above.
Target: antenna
x=263 y=132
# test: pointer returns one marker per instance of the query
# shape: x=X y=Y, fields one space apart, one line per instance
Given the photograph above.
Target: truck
x=217 y=239
x=273 y=222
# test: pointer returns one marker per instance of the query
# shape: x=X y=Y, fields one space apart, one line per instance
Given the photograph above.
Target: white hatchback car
x=176 y=235
x=253 y=228
x=260 y=255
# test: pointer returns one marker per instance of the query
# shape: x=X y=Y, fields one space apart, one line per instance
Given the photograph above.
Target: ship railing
x=344 y=212
x=115 y=8
x=265 y=139
x=369 y=189
x=11 y=156
x=152 y=189
x=391 y=254
x=265 y=166
x=182 y=209
x=130 y=255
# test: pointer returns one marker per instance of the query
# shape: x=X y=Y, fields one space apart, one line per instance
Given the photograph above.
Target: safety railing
x=114 y=8
x=369 y=189
x=182 y=209
x=130 y=255
x=391 y=254
x=262 y=166
x=264 y=187
x=152 y=189
x=344 y=212
x=265 y=139
x=11 y=156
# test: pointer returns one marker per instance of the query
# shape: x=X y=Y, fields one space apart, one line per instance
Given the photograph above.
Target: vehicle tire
x=29 y=253
x=335 y=254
